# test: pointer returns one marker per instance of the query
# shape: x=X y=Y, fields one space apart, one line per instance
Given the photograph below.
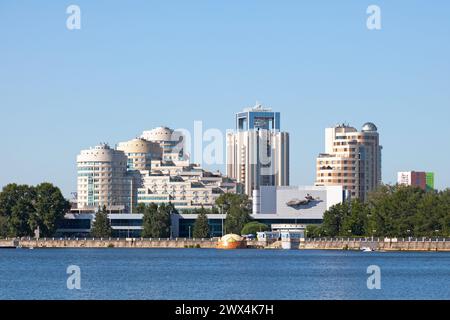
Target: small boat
x=366 y=249
x=31 y=248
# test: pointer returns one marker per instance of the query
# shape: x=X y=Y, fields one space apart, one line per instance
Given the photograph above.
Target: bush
x=254 y=227
x=314 y=231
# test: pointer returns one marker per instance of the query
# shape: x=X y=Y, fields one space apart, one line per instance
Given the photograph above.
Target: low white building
x=294 y=204
x=186 y=186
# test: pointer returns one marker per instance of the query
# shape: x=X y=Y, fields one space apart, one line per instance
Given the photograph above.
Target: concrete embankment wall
x=321 y=244
x=403 y=245
x=110 y=243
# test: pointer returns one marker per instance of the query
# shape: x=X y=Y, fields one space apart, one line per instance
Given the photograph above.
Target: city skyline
x=138 y=68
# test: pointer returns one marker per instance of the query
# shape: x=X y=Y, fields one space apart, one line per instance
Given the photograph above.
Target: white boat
x=366 y=249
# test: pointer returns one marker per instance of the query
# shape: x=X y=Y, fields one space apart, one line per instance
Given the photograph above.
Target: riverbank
x=379 y=244
x=392 y=244
x=108 y=243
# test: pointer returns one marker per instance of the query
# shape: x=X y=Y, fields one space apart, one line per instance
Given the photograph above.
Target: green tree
x=444 y=197
x=253 y=227
x=228 y=200
x=156 y=221
x=394 y=210
x=425 y=225
x=3 y=227
x=149 y=212
x=162 y=221
x=333 y=218
x=101 y=227
x=201 y=226
x=16 y=206
x=354 y=219
x=50 y=207
x=24 y=208
x=314 y=231
x=237 y=208
x=345 y=219
x=236 y=219
x=140 y=208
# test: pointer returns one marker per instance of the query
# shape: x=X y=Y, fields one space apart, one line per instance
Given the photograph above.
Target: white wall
x=273 y=201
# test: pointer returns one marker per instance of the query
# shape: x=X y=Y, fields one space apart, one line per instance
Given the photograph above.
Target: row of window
x=337 y=175
x=338 y=168
x=366 y=137
x=101 y=164
x=150 y=198
x=94 y=175
x=100 y=169
x=338 y=162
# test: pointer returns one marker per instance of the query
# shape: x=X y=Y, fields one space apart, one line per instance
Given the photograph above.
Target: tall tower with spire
x=257 y=151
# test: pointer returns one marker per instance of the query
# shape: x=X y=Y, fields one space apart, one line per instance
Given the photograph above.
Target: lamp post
x=170 y=227
x=221 y=214
x=223 y=208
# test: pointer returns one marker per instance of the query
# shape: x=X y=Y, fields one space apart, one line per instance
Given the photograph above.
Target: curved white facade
x=159 y=134
x=140 y=153
x=170 y=141
x=102 y=179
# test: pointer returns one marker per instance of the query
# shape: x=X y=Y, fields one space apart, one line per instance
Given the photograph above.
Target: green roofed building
x=429 y=178
x=424 y=180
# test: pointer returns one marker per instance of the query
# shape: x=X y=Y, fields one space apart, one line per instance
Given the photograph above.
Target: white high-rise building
x=102 y=179
x=257 y=152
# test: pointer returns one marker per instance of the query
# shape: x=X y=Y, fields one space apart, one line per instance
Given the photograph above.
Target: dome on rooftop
x=158 y=134
x=369 y=127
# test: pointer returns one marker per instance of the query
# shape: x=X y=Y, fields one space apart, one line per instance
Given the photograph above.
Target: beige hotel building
x=352 y=159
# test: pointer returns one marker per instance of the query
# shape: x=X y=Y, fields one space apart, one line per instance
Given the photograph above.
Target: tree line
x=24 y=209
x=156 y=218
x=391 y=211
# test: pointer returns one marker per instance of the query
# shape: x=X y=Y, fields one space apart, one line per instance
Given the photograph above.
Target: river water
x=220 y=274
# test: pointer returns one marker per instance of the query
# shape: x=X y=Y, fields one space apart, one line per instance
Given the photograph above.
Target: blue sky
x=135 y=65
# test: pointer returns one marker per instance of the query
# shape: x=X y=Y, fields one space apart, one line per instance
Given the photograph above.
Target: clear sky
x=135 y=65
